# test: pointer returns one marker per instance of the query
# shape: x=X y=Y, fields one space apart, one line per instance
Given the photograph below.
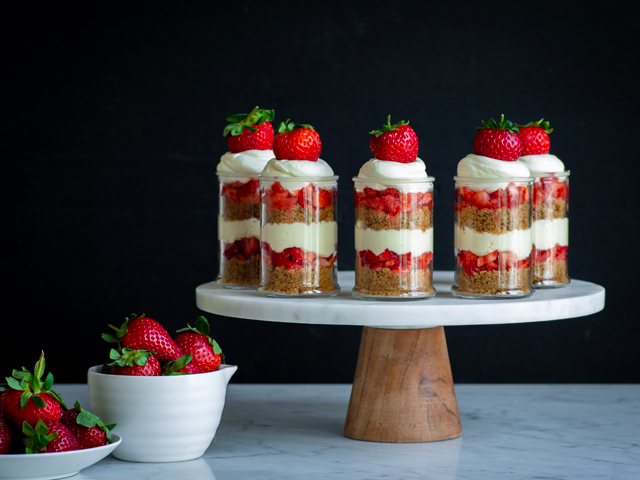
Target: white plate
x=47 y=466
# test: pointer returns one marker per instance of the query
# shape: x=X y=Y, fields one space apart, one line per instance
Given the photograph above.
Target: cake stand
x=403 y=389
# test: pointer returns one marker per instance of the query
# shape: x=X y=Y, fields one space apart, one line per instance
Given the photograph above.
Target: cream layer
x=516 y=241
x=320 y=237
x=549 y=232
x=399 y=241
x=231 y=230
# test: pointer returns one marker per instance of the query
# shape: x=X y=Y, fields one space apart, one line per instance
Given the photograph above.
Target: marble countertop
x=509 y=432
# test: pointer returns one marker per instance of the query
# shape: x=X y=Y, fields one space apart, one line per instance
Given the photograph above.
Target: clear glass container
x=394 y=239
x=492 y=238
x=238 y=230
x=299 y=246
x=550 y=229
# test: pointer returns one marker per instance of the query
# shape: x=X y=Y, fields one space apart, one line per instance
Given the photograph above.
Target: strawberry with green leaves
x=88 y=429
x=498 y=140
x=394 y=143
x=207 y=354
x=535 y=137
x=28 y=398
x=297 y=142
x=48 y=436
x=137 y=363
x=252 y=131
x=183 y=366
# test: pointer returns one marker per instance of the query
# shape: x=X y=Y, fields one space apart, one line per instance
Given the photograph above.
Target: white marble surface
x=509 y=432
x=575 y=300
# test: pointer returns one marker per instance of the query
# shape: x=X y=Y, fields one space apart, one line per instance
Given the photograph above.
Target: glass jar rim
x=550 y=174
x=270 y=178
x=393 y=181
x=493 y=179
x=237 y=174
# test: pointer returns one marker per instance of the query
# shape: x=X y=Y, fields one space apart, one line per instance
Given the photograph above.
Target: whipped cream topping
x=477 y=166
x=297 y=168
x=544 y=163
x=375 y=168
x=249 y=161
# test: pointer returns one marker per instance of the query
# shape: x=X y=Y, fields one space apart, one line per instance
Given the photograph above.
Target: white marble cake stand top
x=575 y=300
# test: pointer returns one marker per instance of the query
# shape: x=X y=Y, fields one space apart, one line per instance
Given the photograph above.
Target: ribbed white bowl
x=161 y=419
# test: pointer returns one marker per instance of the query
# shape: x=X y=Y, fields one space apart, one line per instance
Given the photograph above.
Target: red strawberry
x=2 y=404
x=395 y=143
x=28 y=398
x=251 y=131
x=182 y=366
x=535 y=137
x=5 y=437
x=142 y=333
x=88 y=429
x=498 y=140
x=48 y=436
x=137 y=363
x=250 y=246
x=207 y=354
x=297 y=142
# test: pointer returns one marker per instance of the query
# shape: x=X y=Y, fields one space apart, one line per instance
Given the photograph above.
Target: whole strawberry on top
x=297 y=142
x=137 y=363
x=28 y=398
x=252 y=131
x=48 y=436
x=207 y=354
x=498 y=140
x=395 y=143
x=88 y=429
x=143 y=333
x=535 y=137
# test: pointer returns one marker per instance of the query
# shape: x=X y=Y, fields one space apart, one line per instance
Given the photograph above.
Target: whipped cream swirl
x=249 y=161
x=297 y=168
x=477 y=166
x=544 y=163
x=375 y=168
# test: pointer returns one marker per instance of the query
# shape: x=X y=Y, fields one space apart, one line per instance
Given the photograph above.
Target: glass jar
x=492 y=238
x=550 y=229
x=394 y=239
x=299 y=246
x=238 y=230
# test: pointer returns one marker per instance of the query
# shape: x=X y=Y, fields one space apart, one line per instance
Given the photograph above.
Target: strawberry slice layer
x=391 y=201
x=549 y=188
x=554 y=254
x=239 y=192
x=511 y=197
x=472 y=263
x=310 y=196
x=294 y=258
x=401 y=264
x=242 y=249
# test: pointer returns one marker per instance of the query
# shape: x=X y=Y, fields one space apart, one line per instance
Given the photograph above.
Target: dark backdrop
x=112 y=114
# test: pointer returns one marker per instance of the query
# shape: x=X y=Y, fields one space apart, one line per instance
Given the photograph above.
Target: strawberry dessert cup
x=550 y=207
x=250 y=140
x=298 y=219
x=492 y=233
x=394 y=219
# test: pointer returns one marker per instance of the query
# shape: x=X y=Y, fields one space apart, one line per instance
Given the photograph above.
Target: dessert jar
x=393 y=238
x=492 y=238
x=299 y=236
x=550 y=229
x=238 y=230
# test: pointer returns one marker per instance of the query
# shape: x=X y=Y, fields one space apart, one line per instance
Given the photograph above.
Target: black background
x=112 y=114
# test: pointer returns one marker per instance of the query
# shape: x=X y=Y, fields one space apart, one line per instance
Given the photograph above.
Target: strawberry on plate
x=207 y=354
x=535 y=137
x=252 y=131
x=48 y=436
x=137 y=363
x=88 y=429
x=394 y=143
x=498 y=140
x=297 y=142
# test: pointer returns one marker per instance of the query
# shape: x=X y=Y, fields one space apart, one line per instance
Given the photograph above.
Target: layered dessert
x=394 y=219
x=492 y=234
x=550 y=228
x=299 y=225
x=250 y=141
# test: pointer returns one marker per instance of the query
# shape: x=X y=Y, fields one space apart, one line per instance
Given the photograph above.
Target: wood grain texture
x=403 y=389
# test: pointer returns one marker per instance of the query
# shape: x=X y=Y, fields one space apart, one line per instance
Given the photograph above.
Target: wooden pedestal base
x=403 y=388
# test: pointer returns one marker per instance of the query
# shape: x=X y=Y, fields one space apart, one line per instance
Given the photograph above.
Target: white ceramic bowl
x=46 y=466
x=161 y=419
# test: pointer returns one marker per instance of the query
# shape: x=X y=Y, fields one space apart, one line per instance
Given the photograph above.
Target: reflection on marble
x=509 y=431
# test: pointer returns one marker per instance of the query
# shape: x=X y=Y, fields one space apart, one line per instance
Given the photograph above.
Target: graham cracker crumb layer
x=298 y=281
x=550 y=273
x=554 y=208
x=385 y=283
x=498 y=282
x=419 y=219
x=240 y=211
x=495 y=221
x=244 y=273
x=297 y=214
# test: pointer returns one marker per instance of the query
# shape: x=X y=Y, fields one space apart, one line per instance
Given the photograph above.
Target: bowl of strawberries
x=168 y=395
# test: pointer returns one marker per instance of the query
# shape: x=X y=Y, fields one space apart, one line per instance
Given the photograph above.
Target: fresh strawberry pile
x=250 y=131
x=391 y=201
x=401 y=264
x=239 y=192
x=511 y=197
x=35 y=419
x=242 y=249
x=294 y=258
x=549 y=188
x=472 y=263
x=279 y=198
x=557 y=253
x=145 y=348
